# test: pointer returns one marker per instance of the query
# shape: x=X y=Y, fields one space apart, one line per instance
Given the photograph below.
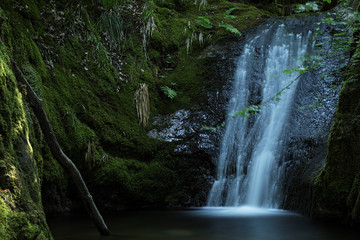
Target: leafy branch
x=256 y=108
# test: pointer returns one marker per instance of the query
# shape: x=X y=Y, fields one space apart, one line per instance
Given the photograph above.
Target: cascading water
x=249 y=169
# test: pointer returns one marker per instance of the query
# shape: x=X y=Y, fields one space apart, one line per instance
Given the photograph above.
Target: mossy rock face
x=133 y=183
x=336 y=189
x=21 y=214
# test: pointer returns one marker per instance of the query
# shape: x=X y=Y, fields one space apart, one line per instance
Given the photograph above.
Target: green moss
x=154 y=182
x=12 y=118
x=272 y=8
x=115 y=172
x=5 y=212
x=33 y=78
x=21 y=214
x=135 y=181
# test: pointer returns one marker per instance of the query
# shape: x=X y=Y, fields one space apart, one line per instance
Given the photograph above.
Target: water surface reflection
x=244 y=223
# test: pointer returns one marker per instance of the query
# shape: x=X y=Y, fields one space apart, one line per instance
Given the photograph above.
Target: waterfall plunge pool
x=254 y=144
x=210 y=223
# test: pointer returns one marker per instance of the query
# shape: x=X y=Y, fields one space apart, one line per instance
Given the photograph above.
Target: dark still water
x=243 y=223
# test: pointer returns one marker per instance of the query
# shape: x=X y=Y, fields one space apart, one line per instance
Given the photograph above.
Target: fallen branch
x=57 y=152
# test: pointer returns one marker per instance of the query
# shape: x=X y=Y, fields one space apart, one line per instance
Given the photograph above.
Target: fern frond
x=204 y=22
x=230 y=28
x=169 y=92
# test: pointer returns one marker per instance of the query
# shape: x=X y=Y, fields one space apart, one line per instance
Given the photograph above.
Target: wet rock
x=310 y=124
x=194 y=130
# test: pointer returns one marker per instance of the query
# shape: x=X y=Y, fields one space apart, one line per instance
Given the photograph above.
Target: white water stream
x=249 y=168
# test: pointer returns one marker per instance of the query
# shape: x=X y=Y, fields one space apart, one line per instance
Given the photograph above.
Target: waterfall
x=249 y=167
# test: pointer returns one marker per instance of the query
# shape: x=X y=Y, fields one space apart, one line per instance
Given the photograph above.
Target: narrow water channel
x=244 y=223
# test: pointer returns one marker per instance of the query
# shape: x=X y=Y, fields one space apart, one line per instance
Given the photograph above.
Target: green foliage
x=313 y=106
x=111 y=24
x=250 y=110
x=228 y=13
x=204 y=22
x=300 y=70
x=138 y=181
x=329 y=20
x=170 y=93
x=230 y=28
x=208 y=128
x=307 y=7
x=33 y=78
x=214 y=128
x=287 y=71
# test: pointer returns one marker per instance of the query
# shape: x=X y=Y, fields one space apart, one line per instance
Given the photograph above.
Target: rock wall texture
x=336 y=190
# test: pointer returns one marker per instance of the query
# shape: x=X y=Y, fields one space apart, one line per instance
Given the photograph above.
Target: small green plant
x=230 y=28
x=213 y=128
x=308 y=7
x=300 y=70
x=111 y=24
x=228 y=13
x=250 y=110
x=204 y=22
x=169 y=92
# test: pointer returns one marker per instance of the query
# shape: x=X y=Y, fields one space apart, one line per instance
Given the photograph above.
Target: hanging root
x=90 y=156
x=142 y=103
